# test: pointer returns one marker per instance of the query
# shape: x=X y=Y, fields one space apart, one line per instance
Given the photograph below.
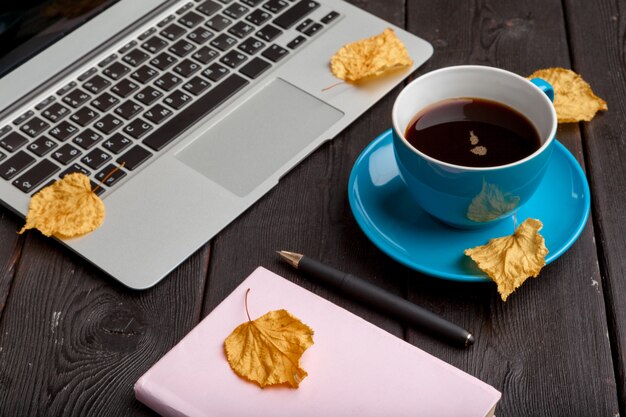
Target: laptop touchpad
x=255 y=140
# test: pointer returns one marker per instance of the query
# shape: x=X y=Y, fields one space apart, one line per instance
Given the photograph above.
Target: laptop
x=208 y=103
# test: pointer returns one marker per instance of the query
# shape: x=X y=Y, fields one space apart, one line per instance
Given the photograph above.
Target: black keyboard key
x=84 y=116
x=233 y=59
x=223 y=42
x=167 y=81
x=268 y=33
x=312 y=29
x=66 y=88
x=106 y=61
x=194 y=112
x=108 y=124
x=112 y=173
x=36 y=175
x=66 y=154
x=128 y=109
x=200 y=35
x=2 y=156
x=41 y=146
x=21 y=119
x=96 y=84
x=258 y=17
x=329 y=17
x=148 y=95
x=117 y=143
x=158 y=113
x=95 y=159
x=165 y=21
x=218 y=22
x=241 y=29
x=255 y=67
x=105 y=101
x=138 y=128
x=215 y=72
x=124 y=88
x=146 y=34
x=236 y=10
x=173 y=32
x=186 y=67
x=130 y=45
x=251 y=45
x=154 y=44
x=208 y=7
x=275 y=53
x=63 y=131
x=16 y=164
x=87 y=74
x=135 y=57
x=177 y=99
x=87 y=138
x=295 y=42
x=275 y=6
x=183 y=9
x=116 y=70
x=205 y=54
x=6 y=129
x=163 y=61
x=34 y=126
x=304 y=24
x=144 y=74
x=13 y=141
x=181 y=48
x=196 y=85
x=73 y=169
x=191 y=20
x=295 y=13
x=45 y=103
x=134 y=157
x=252 y=3
x=55 y=112
x=76 y=98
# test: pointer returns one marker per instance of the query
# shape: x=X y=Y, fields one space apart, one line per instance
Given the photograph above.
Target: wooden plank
x=596 y=30
x=10 y=252
x=549 y=336
x=73 y=342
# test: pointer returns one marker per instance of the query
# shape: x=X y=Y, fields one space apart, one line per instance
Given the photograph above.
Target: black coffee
x=473 y=132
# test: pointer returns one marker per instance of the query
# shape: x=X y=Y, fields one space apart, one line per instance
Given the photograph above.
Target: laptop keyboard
x=138 y=100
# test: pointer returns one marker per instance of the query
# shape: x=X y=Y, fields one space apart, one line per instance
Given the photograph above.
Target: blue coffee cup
x=473 y=197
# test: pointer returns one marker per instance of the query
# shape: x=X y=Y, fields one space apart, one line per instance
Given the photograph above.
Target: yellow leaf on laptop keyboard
x=370 y=57
x=67 y=208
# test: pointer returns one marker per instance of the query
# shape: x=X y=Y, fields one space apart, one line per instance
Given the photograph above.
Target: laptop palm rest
x=250 y=144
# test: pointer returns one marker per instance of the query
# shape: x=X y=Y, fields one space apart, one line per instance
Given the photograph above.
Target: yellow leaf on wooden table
x=370 y=57
x=510 y=260
x=267 y=350
x=574 y=101
x=67 y=208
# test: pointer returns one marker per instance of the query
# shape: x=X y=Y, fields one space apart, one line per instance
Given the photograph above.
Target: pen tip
x=470 y=340
x=291 y=257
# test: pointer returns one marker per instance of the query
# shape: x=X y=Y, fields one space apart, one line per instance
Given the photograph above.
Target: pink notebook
x=354 y=368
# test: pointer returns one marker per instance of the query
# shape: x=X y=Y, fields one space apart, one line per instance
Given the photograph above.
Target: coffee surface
x=473 y=132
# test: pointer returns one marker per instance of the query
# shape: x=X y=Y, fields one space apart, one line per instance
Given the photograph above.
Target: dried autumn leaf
x=490 y=204
x=66 y=208
x=510 y=260
x=574 y=101
x=267 y=350
x=370 y=57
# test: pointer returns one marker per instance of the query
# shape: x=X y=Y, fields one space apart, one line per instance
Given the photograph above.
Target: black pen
x=380 y=299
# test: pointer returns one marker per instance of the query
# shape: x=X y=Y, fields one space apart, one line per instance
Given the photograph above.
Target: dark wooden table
x=73 y=341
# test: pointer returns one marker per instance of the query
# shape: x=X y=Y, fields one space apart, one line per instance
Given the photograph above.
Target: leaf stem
x=107 y=176
x=247 y=312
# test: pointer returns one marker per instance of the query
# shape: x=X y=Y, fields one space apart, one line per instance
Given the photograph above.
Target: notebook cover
x=354 y=368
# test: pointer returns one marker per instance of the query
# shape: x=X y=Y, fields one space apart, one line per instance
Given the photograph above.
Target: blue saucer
x=405 y=232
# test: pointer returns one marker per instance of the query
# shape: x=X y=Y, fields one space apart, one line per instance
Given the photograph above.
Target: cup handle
x=545 y=87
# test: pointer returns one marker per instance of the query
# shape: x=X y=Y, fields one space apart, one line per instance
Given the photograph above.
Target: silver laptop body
x=191 y=187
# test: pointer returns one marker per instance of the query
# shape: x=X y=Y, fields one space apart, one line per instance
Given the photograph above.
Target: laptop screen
x=29 y=26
